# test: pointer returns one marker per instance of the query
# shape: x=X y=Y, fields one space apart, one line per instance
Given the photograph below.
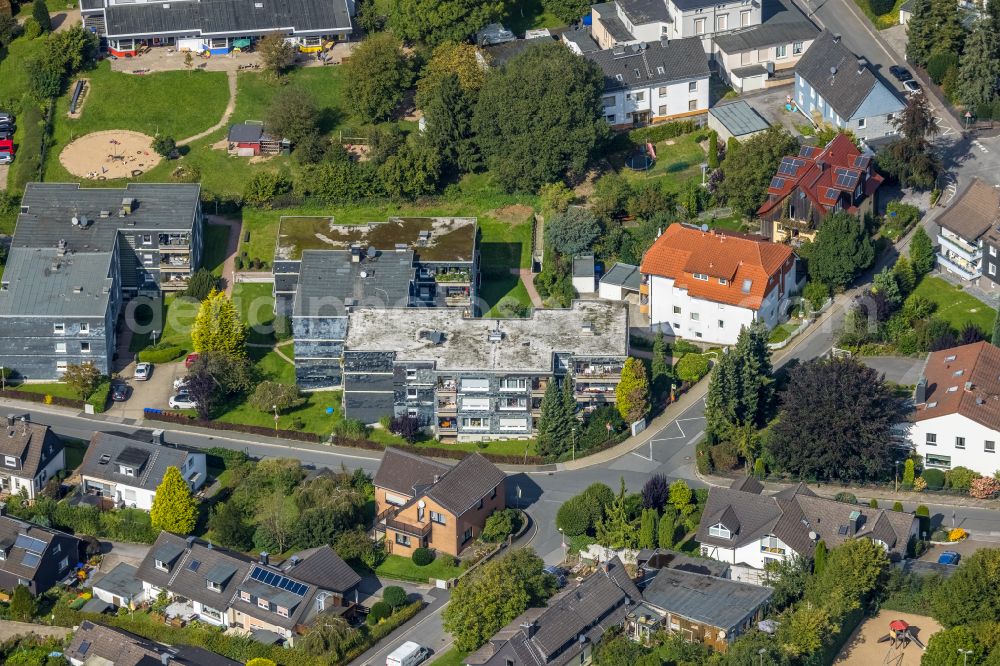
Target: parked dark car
x=119 y=392
x=558 y=573
x=900 y=73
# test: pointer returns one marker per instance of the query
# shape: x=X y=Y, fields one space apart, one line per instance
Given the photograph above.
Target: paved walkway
x=232 y=245
x=528 y=278
x=226 y=115
x=9 y=629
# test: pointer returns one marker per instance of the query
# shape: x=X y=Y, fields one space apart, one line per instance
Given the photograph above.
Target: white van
x=407 y=654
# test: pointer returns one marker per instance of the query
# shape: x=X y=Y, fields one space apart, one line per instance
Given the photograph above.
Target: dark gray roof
x=783 y=24
x=834 y=72
x=51 y=207
x=588 y=609
x=660 y=62
x=149 y=475
x=748 y=484
x=92 y=640
x=645 y=11
x=401 y=471
x=32 y=445
x=121 y=581
x=669 y=559
x=323 y=568
x=20 y=539
x=461 y=487
x=96 y=605
x=907 y=6
x=583 y=265
x=301 y=607
x=328 y=278
x=245 y=133
x=367 y=407
x=739 y=118
x=749 y=70
x=717 y=602
x=229 y=17
x=501 y=54
x=615 y=28
x=582 y=39
x=623 y=275
x=688 y=5
x=44 y=284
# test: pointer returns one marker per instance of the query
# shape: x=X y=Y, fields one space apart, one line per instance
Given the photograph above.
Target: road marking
x=945 y=129
x=980 y=146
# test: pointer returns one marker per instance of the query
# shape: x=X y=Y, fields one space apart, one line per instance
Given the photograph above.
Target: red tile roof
x=963 y=380
x=824 y=175
x=681 y=251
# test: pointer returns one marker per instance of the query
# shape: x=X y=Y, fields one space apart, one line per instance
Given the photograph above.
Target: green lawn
x=403 y=568
x=781 y=332
x=524 y=14
x=149 y=103
x=453 y=657
x=216 y=241
x=255 y=303
x=255 y=92
x=731 y=223
x=55 y=389
x=955 y=305
x=13 y=73
x=677 y=161
x=497 y=285
x=75 y=448
x=312 y=414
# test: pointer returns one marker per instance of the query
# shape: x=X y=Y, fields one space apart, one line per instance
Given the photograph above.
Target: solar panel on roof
x=777 y=183
x=84 y=646
x=832 y=193
x=31 y=560
x=193 y=565
x=276 y=580
x=29 y=543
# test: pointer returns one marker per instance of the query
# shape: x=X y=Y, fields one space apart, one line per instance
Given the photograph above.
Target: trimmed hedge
x=161 y=353
x=99 y=398
x=934 y=478
x=422 y=557
x=38 y=397
x=379 y=611
x=171 y=417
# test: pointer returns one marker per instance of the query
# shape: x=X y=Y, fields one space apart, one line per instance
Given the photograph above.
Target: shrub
x=500 y=525
x=846 y=498
x=161 y=353
x=939 y=535
x=165 y=146
x=573 y=517
x=99 y=398
x=939 y=64
x=880 y=7
x=692 y=367
x=957 y=534
x=422 y=557
x=984 y=487
x=395 y=596
x=407 y=427
x=934 y=478
x=897 y=507
x=816 y=294
x=380 y=610
x=703 y=456
x=350 y=429
x=961 y=478
x=282 y=327
x=201 y=284
x=724 y=456
x=682 y=347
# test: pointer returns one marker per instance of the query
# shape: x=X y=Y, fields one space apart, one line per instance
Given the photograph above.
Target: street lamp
x=275 y=408
x=562 y=538
x=897 y=476
x=965 y=655
x=952 y=520
x=762 y=652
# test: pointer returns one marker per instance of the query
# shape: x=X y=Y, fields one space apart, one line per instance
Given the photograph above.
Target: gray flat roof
x=587 y=328
x=717 y=602
x=583 y=265
x=52 y=206
x=42 y=283
x=328 y=277
x=739 y=118
x=623 y=275
x=582 y=39
x=645 y=11
x=121 y=581
x=433 y=239
x=782 y=23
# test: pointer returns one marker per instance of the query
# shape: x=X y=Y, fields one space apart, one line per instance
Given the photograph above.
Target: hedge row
x=439 y=452
x=656 y=133
x=99 y=398
x=171 y=417
x=161 y=353
x=38 y=397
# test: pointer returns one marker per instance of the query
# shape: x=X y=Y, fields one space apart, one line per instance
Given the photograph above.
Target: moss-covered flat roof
x=432 y=239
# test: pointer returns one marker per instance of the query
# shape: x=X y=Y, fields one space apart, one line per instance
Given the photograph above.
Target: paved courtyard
x=771 y=105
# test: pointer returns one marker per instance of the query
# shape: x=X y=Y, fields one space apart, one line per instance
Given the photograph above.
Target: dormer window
x=245 y=596
x=720 y=531
x=264 y=603
x=127 y=471
x=161 y=565
x=700 y=276
x=10 y=461
x=282 y=611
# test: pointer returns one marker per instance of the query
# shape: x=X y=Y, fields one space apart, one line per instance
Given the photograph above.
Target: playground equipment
x=899 y=637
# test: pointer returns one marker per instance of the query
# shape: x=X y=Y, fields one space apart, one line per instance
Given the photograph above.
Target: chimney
x=264 y=558
x=920 y=392
x=10 y=420
x=862 y=63
x=836 y=38
x=968 y=386
x=437 y=477
x=165 y=659
x=529 y=627
x=606 y=567
x=853 y=523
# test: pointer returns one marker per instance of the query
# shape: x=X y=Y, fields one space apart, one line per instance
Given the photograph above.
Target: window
x=694 y=316
x=513 y=383
x=10 y=461
x=475 y=385
x=931 y=439
x=720 y=531
x=161 y=565
x=402 y=540
x=85 y=347
x=722 y=323
x=797 y=48
x=747 y=285
x=609 y=100
x=993 y=269
x=282 y=611
x=509 y=404
x=476 y=423
x=245 y=596
x=677 y=309
x=264 y=603
x=215 y=587
x=475 y=404
x=412 y=412
x=84 y=329
x=700 y=276
x=861 y=123
x=480 y=506
x=699 y=26
x=693 y=105
x=722 y=22
x=411 y=393
x=932 y=460
x=610 y=118
x=697 y=334
x=993 y=250
x=147 y=239
x=662 y=91
x=723 y=281
x=467 y=535
x=395 y=500
x=959 y=442
x=640 y=96
x=662 y=110
x=61 y=366
x=990 y=446
x=58 y=329
x=60 y=347
x=692 y=86
x=411 y=373
x=420 y=514
x=744 y=19
x=438 y=518
x=513 y=423
x=780 y=51
x=63 y=563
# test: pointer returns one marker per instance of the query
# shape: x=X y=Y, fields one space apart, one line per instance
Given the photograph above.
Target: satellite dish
x=363 y=274
x=421 y=504
x=813 y=536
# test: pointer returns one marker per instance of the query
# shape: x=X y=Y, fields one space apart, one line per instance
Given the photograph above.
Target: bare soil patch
x=863 y=648
x=514 y=214
x=109 y=155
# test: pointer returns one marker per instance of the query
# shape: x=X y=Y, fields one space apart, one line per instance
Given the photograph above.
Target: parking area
x=154 y=392
x=963 y=548
x=771 y=105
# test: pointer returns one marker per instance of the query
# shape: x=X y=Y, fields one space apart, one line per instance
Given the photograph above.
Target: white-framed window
x=723 y=281
x=695 y=316
x=692 y=86
x=720 y=531
x=780 y=51
x=700 y=276
x=59 y=329
x=475 y=404
x=161 y=565
x=264 y=603
x=411 y=392
x=931 y=439
x=60 y=347
x=796 y=48
x=993 y=250
x=722 y=22
x=282 y=611
x=610 y=118
x=219 y=42
x=608 y=100
x=513 y=423
x=84 y=328
x=513 y=383
x=993 y=269
x=513 y=404
x=640 y=96
x=402 y=539
x=474 y=385
x=692 y=105
x=699 y=26
x=989 y=446
x=934 y=460
x=411 y=373
x=245 y=596
x=63 y=563
x=722 y=323
x=84 y=347
x=215 y=587
x=861 y=123
x=10 y=461
x=662 y=91
x=395 y=500
x=147 y=239
x=467 y=535
x=744 y=19
x=476 y=423
x=61 y=366
x=959 y=442
x=412 y=412
x=438 y=518
x=677 y=309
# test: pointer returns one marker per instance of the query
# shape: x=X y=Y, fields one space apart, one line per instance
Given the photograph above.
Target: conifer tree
x=174 y=509
x=615 y=530
x=647 y=529
x=553 y=434
x=218 y=327
x=632 y=392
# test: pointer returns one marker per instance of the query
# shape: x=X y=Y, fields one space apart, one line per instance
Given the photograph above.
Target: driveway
x=154 y=392
x=901 y=370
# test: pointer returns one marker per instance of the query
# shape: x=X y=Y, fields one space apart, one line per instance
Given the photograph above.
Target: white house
x=621 y=283
x=625 y=22
x=584 y=274
x=30 y=455
x=956 y=418
x=652 y=82
x=740 y=525
x=706 y=285
x=128 y=471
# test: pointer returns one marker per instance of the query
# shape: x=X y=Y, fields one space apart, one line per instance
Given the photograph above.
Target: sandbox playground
x=891 y=638
x=110 y=155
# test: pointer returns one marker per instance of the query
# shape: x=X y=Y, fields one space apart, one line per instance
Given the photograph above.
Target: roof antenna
x=24 y=425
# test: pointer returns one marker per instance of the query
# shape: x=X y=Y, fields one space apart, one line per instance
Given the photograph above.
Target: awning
x=241 y=43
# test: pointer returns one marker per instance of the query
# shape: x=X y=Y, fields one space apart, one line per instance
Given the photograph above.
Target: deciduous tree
x=632 y=392
x=972 y=593
x=943 y=648
x=276 y=54
x=841 y=251
x=83 y=378
x=452 y=58
x=750 y=169
x=22 y=602
x=655 y=492
x=270 y=395
x=571 y=232
x=555 y=125
x=835 y=433
x=230 y=528
x=415 y=170
x=911 y=158
x=567 y=11
x=377 y=74
x=174 y=508
x=218 y=327
x=292 y=115
x=436 y=21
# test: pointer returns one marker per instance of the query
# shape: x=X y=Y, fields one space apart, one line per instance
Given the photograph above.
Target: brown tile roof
x=963 y=380
x=323 y=568
x=461 y=488
x=401 y=471
x=681 y=251
x=33 y=444
x=973 y=210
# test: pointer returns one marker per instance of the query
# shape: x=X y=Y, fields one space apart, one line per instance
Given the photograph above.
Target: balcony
x=174 y=242
x=958 y=269
x=539 y=385
x=961 y=248
x=453 y=277
x=772 y=550
x=447 y=406
x=585 y=370
x=175 y=262
x=447 y=425
x=644 y=309
x=419 y=531
x=447 y=386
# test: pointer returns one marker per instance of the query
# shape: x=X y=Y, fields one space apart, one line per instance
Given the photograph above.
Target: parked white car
x=407 y=654
x=143 y=371
x=182 y=401
x=180 y=383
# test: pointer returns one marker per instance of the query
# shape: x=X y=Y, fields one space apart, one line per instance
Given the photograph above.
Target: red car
x=7 y=146
x=191 y=358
